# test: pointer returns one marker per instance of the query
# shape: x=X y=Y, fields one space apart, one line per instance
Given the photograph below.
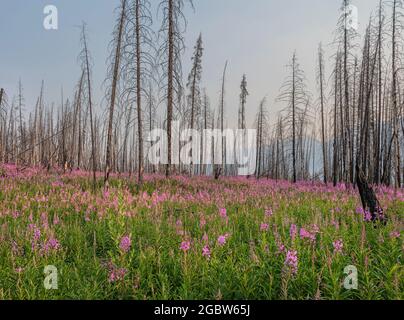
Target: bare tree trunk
x=321 y=75
x=113 y=93
x=170 y=93
x=139 y=95
x=90 y=105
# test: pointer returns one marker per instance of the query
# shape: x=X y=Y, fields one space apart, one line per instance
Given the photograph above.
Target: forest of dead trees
x=354 y=121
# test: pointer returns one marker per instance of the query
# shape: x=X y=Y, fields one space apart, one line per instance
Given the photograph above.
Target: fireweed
x=181 y=229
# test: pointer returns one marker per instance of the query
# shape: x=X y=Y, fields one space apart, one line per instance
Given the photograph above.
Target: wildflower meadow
x=198 y=238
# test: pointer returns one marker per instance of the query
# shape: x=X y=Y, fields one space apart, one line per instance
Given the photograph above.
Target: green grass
x=248 y=266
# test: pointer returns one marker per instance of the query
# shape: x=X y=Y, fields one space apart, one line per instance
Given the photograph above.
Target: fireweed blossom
x=293 y=231
x=291 y=261
x=359 y=210
x=281 y=247
x=117 y=274
x=56 y=220
x=52 y=245
x=206 y=251
x=19 y=270
x=304 y=234
x=395 y=235
x=185 y=246
x=36 y=235
x=269 y=212
x=16 y=214
x=222 y=239
x=223 y=213
x=264 y=227
x=367 y=216
x=202 y=222
x=338 y=246
x=125 y=244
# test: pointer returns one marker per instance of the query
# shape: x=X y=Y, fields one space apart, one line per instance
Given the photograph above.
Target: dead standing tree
x=293 y=92
x=261 y=132
x=219 y=170
x=193 y=85
x=3 y=125
x=115 y=78
x=85 y=60
x=368 y=197
x=243 y=101
x=320 y=80
x=170 y=51
x=137 y=66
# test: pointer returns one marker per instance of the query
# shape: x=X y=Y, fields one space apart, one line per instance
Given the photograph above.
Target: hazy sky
x=257 y=37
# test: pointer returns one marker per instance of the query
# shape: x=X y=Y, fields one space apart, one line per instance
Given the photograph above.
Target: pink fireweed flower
x=16 y=214
x=395 y=235
x=202 y=222
x=206 y=251
x=87 y=217
x=291 y=261
x=293 y=231
x=125 y=244
x=54 y=244
x=335 y=224
x=315 y=229
x=51 y=245
x=116 y=275
x=37 y=233
x=269 y=212
x=205 y=238
x=56 y=220
x=44 y=220
x=359 y=210
x=304 y=234
x=15 y=248
x=367 y=216
x=264 y=227
x=221 y=240
x=338 y=246
x=19 y=270
x=281 y=247
x=223 y=213
x=185 y=246
x=35 y=237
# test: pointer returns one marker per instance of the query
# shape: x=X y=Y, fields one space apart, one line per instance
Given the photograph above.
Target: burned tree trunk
x=113 y=92
x=368 y=198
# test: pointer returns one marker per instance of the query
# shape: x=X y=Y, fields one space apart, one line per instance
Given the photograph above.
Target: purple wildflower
x=223 y=213
x=125 y=244
x=338 y=246
x=264 y=227
x=222 y=239
x=291 y=261
x=117 y=274
x=293 y=231
x=206 y=251
x=185 y=246
x=395 y=235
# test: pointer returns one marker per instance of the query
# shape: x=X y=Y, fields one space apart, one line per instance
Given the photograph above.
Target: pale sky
x=257 y=37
